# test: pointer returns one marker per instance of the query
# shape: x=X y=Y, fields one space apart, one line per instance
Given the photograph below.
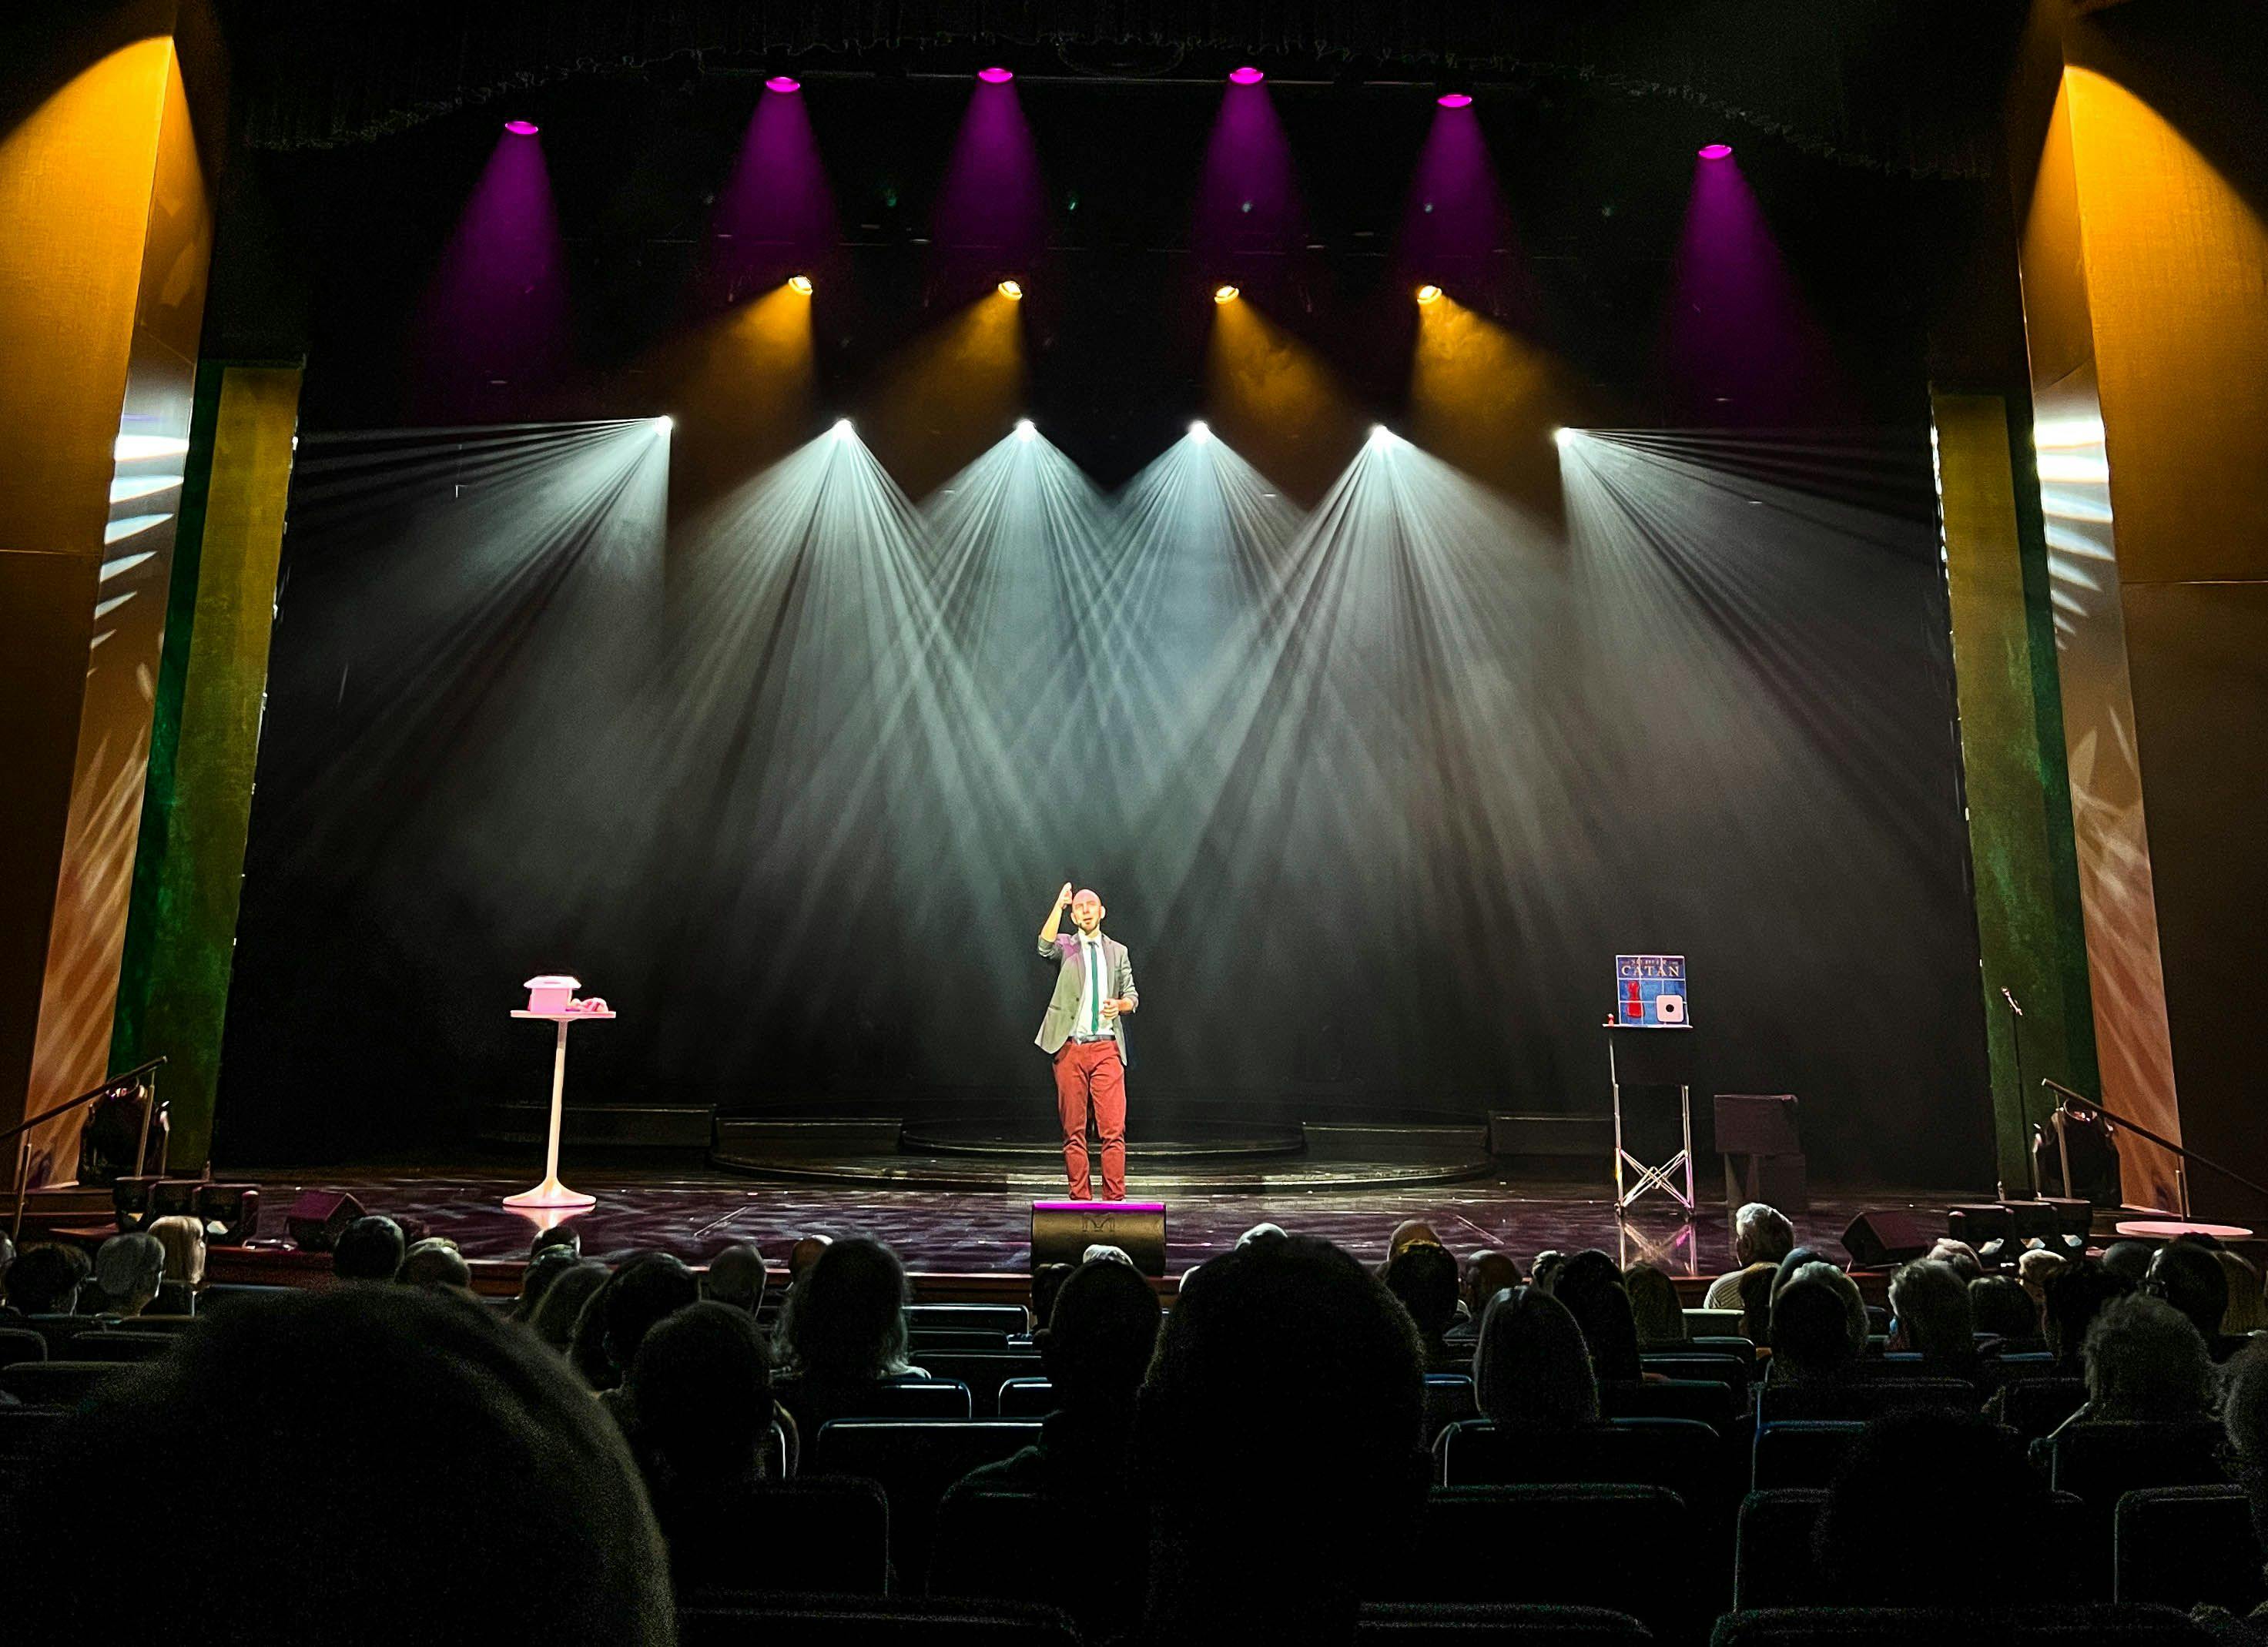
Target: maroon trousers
x=1089 y=1072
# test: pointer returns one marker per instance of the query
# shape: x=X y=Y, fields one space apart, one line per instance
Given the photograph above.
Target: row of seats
x=1633 y=1546
x=822 y=1621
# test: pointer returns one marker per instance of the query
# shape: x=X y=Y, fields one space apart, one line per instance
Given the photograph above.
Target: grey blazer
x=1062 y=952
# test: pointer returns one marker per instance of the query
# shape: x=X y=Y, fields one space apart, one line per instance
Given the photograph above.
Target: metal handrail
x=2065 y=1097
x=148 y=1068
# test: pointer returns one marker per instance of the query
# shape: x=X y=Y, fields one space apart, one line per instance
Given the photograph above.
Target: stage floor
x=693 y=1212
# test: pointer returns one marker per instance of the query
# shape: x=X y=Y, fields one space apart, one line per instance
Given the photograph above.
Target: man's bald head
x=1085 y=910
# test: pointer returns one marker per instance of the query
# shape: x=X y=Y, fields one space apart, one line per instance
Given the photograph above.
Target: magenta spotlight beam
x=775 y=216
x=1455 y=99
x=784 y=85
x=1456 y=219
x=1715 y=151
x=992 y=209
x=1740 y=343
x=1249 y=194
x=522 y=128
x=491 y=327
x=996 y=75
x=1246 y=75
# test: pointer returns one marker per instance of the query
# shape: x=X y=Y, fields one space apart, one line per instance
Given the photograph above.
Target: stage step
x=632 y=1126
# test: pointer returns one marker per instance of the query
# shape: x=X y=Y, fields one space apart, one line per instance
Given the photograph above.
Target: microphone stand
x=2016 y=1038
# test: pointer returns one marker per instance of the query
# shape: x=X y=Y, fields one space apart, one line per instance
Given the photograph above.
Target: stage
x=970 y=1240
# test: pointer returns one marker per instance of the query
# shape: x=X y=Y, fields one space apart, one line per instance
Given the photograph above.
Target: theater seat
x=20 y=1343
x=994 y=1544
x=1676 y=1453
x=1026 y=1397
x=1592 y=1545
x=1772 y=1564
x=1859 y=1399
x=914 y=1462
x=2102 y=1461
x=1711 y=1402
x=2185 y=1545
x=121 y=1346
x=1712 y=1368
x=1771 y=1549
x=2034 y=1406
x=1448 y=1400
x=2102 y=1624
x=1422 y=1624
x=825 y=1534
x=815 y=1620
x=983 y=1372
x=956 y=1341
x=1805 y=1453
x=57 y=1383
x=1008 y=1320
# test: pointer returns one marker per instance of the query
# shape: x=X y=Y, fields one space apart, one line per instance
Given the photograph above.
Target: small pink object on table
x=552 y=997
x=2166 y=1229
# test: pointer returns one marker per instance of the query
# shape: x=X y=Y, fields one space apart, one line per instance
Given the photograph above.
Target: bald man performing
x=1084 y=1032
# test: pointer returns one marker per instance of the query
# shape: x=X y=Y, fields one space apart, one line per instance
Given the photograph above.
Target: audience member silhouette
x=1409 y=1234
x=2247 y=1309
x=1264 y=1232
x=408 y=1426
x=183 y=1238
x=2074 y=1295
x=1532 y=1369
x=2032 y=1272
x=1654 y=1305
x=1544 y=1272
x=1423 y=1278
x=1490 y=1273
x=645 y=1289
x=46 y=1279
x=841 y=1333
x=737 y=1277
x=1095 y=1349
x=128 y=1270
x=545 y=1266
x=1047 y=1285
x=371 y=1248
x=1288 y=1376
x=1594 y=1295
x=435 y=1261
x=1753 y=1292
x=1901 y=1477
x=564 y=1236
x=1929 y=1307
x=1762 y=1235
x=2188 y=1275
x=1999 y=1306
x=1794 y=1259
x=697 y=1406
x=2146 y=1363
x=2130 y=1260
x=1818 y=1327
x=560 y=1310
x=2245 y=1419
x=1958 y=1255
x=804 y=1254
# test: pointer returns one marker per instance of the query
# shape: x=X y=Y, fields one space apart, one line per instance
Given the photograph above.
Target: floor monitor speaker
x=1882 y=1236
x=1062 y=1231
x=318 y=1217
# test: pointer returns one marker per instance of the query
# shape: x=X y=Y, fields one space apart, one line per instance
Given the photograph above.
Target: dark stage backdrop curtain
x=1911 y=87
x=1376 y=792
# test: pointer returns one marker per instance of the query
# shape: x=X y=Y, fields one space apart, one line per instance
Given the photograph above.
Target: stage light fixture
x=1013 y=289
x=521 y=128
x=664 y=422
x=1716 y=151
x=842 y=429
x=1246 y=75
x=1024 y=430
x=1456 y=99
x=782 y=83
x=1563 y=438
x=1198 y=430
x=1224 y=294
x=800 y=284
x=1380 y=437
x=996 y=75
x=1429 y=293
